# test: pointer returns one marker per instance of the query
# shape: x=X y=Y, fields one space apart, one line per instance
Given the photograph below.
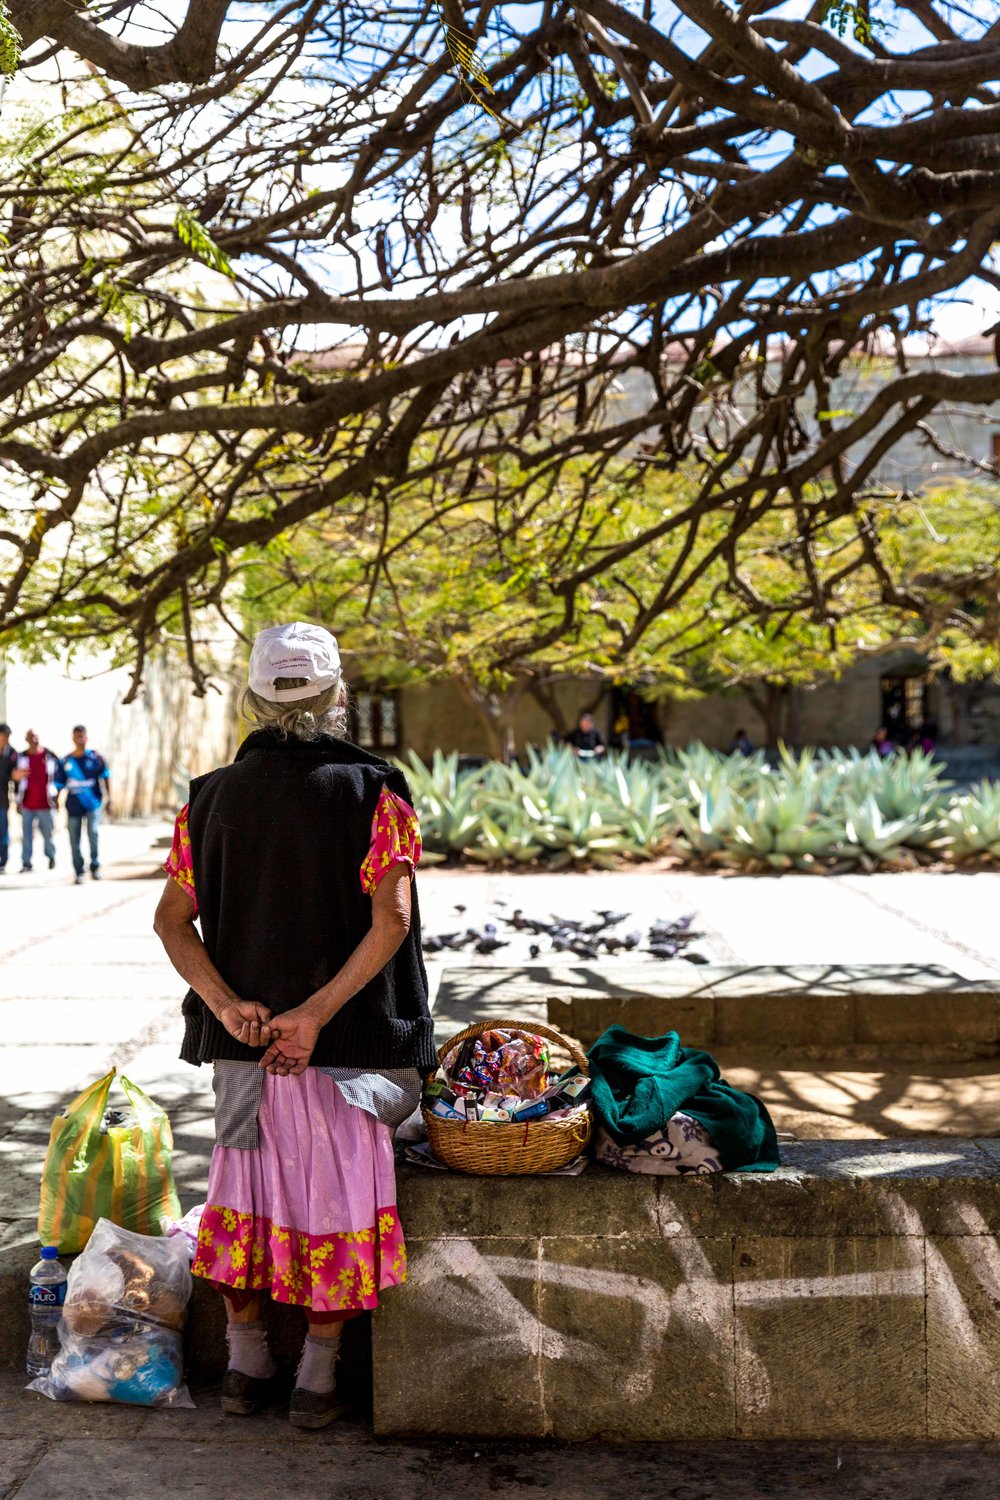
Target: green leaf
x=201 y=244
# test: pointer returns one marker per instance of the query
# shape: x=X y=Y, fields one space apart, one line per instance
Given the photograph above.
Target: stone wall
x=845 y=711
x=852 y=1295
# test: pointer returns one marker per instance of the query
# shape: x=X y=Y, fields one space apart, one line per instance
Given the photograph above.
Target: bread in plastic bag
x=120 y=1330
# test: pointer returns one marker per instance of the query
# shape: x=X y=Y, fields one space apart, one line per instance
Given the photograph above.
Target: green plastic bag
x=120 y=1172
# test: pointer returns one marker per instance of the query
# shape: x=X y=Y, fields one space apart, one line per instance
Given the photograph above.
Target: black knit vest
x=277 y=843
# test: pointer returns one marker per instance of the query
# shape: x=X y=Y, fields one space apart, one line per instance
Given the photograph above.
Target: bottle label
x=47 y=1296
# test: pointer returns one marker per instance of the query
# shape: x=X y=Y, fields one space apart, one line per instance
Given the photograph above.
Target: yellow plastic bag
x=93 y=1170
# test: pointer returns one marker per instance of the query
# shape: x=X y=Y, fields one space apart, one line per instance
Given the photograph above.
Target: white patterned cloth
x=681 y=1147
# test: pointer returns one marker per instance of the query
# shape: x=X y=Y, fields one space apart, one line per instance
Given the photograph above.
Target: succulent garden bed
x=829 y=811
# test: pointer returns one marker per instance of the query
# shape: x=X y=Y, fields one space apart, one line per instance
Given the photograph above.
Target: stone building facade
x=895 y=690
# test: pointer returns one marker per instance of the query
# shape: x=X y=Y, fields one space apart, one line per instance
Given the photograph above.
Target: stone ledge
x=852 y=1293
x=853 y=1187
x=913 y=1011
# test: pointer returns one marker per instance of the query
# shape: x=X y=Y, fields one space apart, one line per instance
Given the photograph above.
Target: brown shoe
x=242 y=1395
x=315 y=1408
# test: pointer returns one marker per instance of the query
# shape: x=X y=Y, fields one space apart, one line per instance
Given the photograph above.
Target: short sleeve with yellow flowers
x=395 y=840
x=178 y=863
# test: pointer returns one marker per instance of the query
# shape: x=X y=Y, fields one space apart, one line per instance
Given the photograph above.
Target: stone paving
x=120 y=1453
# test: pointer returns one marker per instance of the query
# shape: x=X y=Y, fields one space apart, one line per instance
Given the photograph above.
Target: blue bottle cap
x=50 y=1252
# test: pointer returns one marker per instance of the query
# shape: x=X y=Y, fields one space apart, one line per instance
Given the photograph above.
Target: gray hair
x=305 y=719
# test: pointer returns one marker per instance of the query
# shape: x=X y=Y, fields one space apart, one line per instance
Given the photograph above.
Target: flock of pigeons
x=593 y=939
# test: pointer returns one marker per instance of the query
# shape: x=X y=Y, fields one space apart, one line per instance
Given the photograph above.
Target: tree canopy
x=267 y=265
x=425 y=594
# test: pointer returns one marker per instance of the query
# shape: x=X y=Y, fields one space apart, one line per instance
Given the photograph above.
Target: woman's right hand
x=246 y=1021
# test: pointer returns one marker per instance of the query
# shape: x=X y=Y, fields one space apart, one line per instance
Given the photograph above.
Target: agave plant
x=448 y=801
x=874 y=839
x=639 y=798
x=970 y=826
x=498 y=845
x=781 y=827
x=810 y=811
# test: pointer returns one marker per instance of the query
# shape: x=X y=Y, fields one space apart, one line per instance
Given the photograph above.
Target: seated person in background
x=585 y=739
x=925 y=738
x=742 y=743
x=881 y=743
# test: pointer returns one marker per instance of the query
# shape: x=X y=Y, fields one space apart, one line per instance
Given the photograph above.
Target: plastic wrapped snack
x=500 y=1061
x=120 y=1331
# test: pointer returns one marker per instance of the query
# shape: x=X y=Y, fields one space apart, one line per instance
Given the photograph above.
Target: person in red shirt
x=37 y=798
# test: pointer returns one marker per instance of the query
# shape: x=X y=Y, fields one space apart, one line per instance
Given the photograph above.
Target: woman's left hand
x=293 y=1037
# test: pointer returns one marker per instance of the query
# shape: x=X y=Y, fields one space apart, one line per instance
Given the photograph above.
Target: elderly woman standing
x=309 y=998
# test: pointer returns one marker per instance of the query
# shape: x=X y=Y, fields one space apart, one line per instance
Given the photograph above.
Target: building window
x=375 y=721
x=633 y=720
x=904 y=705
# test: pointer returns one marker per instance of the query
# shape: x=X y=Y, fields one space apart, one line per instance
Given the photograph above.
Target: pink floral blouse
x=395 y=841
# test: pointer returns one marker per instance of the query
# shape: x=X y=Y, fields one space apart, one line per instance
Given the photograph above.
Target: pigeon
x=674 y=927
x=490 y=945
x=490 y=929
x=612 y=918
x=632 y=940
x=663 y=950
x=538 y=928
x=695 y=958
x=534 y=950
x=432 y=945
x=567 y=922
x=453 y=939
x=583 y=949
x=559 y=943
x=528 y=924
x=460 y=909
x=612 y=944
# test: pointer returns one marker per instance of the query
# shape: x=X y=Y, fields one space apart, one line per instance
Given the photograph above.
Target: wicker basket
x=491 y=1150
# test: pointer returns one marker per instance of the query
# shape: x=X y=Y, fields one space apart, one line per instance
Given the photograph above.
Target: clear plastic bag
x=120 y=1330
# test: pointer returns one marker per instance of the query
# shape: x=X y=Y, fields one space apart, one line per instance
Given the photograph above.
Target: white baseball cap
x=295 y=650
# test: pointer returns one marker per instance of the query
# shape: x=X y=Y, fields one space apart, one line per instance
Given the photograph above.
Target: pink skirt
x=310 y=1216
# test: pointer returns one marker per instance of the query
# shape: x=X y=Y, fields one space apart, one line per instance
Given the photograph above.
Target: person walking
x=37 y=777
x=8 y=765
x=309 y=999
x=85 y=776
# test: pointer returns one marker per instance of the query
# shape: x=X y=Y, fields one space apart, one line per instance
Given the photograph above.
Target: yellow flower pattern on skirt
x=325 y=1272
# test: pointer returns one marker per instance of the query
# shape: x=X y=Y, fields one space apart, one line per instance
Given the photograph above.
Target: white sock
x=248 y=1351
x=316 y=1367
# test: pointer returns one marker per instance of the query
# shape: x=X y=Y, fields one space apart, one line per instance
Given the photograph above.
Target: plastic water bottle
x=46 y=1295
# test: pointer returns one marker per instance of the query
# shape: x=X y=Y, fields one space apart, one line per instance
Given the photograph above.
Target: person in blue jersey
x=85 y=776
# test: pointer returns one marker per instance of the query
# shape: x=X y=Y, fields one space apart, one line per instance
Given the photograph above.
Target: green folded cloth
x=638 y=1082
